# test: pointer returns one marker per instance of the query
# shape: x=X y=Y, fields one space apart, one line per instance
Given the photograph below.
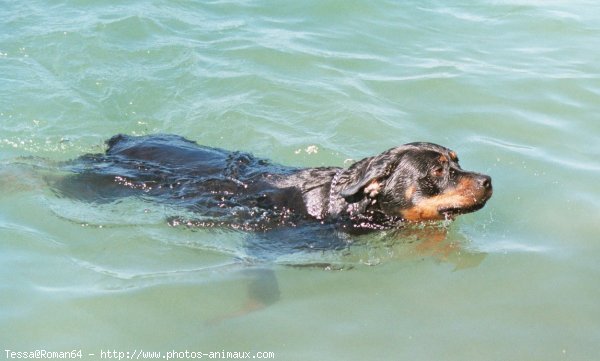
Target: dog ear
x=364 y=178
x=359 y=184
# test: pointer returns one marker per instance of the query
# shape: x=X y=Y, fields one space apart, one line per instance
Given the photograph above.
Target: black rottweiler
x=289 y=209
x=410 y=183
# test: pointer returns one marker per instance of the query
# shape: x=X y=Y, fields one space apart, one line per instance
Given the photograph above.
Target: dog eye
x=438 y=171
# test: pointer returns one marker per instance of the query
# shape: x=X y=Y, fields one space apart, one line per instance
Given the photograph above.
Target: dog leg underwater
x=262 y=291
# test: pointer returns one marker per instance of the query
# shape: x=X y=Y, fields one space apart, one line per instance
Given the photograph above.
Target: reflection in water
x=434 y=241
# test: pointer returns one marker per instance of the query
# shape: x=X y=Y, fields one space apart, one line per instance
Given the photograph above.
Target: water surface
x=512 y=86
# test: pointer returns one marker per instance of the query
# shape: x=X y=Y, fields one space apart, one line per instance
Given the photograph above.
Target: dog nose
x=484 y=181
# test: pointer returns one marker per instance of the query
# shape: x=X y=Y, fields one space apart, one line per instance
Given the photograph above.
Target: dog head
x=416 y=182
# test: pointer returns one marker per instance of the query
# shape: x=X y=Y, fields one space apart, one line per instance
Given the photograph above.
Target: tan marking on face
x=443 y=159
x=453 y=156
x=465 y=195
x=421 y=213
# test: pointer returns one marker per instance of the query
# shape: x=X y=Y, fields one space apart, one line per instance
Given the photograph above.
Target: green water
x=512 y=86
